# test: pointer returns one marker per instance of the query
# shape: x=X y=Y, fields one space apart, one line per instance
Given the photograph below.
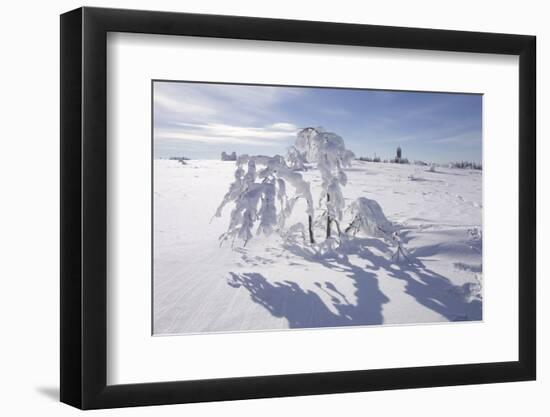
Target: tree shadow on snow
x=428 y=288
x=305 y=308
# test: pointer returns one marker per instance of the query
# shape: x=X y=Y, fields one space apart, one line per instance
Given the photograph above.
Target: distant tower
x=398 y=153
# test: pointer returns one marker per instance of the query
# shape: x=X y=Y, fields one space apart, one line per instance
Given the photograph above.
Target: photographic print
x=298 y=207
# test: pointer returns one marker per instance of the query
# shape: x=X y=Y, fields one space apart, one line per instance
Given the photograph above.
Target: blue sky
x=199 y=120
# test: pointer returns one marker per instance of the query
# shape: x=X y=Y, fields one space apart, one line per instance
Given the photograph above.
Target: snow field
x=275 y=283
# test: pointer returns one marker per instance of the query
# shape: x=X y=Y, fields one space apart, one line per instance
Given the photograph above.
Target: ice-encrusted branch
x=263 y=187
x=328 y=151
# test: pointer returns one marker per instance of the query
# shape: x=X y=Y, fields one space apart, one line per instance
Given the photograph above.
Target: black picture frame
x=84 y=207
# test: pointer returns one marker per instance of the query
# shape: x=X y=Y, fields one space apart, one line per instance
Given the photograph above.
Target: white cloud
x=216 y=133
x=285 y=126
x=189 y=108
x=220 y=103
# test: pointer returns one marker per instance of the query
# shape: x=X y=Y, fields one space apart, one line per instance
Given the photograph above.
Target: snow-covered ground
x=274 y=283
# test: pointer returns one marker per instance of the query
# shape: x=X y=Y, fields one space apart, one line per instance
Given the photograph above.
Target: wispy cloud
x=163 y=102
x=223 y=103
x=217 y=133
x=203 y=119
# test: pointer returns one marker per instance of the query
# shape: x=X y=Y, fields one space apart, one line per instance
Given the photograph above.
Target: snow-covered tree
x=296 y=159
x=329 y=152
x=262 y=202
x=368 y=217
x=401 y=254
x=256 y=192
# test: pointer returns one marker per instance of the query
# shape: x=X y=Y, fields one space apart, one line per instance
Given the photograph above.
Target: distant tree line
x=456 y=164
x=180 y=159
x=368 y=159
x=466 y=165
x=385 y=161
x=398 y=159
